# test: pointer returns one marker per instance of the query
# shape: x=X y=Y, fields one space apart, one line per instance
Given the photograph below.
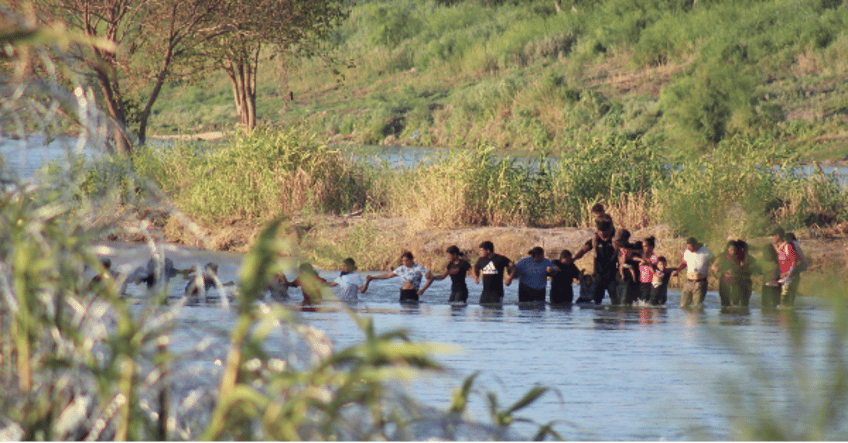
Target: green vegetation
x=680 y=75
x=742 y=188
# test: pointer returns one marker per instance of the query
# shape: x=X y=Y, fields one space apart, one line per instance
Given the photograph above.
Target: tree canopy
x=164 y=40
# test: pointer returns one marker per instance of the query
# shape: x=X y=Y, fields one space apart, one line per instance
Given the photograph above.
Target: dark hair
x=661 y=259
x=565 y=254
x=779 y=232
x=350 y=263
x=603 y=225
x=692 y=241
x=536 y=251
x=791 y=236
x=487 y=245
x=598 y=208
x=622 y=234
x=650 y=241
x=408 y=255
x=454 y=250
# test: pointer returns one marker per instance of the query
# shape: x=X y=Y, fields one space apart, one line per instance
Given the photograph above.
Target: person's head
x=731 y=247
x=537 y=253
x=565 y=256
x=661 y=263
x=407 y=259
x=603 y=225
x=106 y=262
x=211 y=267
x=598 y=210
x=623 y=235
x=487 y=249
x=349 y=265
x=588 y=278
x=778 y=235
x=692 y=244
x=741 y=247
x=454 y=252
x=790 y=236
x=650 y=243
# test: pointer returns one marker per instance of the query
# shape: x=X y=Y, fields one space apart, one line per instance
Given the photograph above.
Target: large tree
x=151 y=36
x=276 y=25
x=162 y=40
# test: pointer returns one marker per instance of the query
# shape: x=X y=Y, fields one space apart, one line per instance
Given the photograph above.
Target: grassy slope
x=377 y=102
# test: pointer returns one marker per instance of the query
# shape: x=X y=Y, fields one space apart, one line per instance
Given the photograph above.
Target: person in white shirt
x=696 y=261
x=349 y=281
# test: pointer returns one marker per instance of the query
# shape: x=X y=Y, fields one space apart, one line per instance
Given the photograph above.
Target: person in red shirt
x=787 y=259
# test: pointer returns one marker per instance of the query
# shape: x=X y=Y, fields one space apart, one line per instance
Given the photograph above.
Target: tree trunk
x=154 y=94
x=115 y=107
x=242 y=73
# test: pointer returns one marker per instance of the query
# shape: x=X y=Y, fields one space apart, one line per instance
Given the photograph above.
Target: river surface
x=636 y=373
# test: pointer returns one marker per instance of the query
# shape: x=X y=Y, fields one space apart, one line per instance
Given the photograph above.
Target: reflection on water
x=617 y=373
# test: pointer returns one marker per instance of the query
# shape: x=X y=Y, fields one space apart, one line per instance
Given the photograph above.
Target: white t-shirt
x=697 y=262
x=348 y=285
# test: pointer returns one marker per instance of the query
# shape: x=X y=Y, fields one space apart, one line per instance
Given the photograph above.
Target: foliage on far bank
x=521 y=75
x=743 y=188
x=260 y=176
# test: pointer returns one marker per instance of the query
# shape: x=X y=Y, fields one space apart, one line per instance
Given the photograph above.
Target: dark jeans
x=459 y=296
x=408 y=295
x=528 y=294
x=606 y=283
x=645 y=291
x=489 y=297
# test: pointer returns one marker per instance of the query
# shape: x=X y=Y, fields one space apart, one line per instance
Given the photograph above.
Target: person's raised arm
x=583 y=250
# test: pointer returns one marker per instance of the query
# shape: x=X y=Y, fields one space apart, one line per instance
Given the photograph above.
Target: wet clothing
x=659 y=287
x=408 y=295
x=787 y=259
x=695 y=289
x=561 y=290
x=693 y=294
x=532 y=273
x=527 y=294
x=606 y=268
x=458 y=273
x=492 y=274
x=459 y=296
x=412 y=275
x=349 y=284
x=728 y=279
x=697 y=263
x=532 y=278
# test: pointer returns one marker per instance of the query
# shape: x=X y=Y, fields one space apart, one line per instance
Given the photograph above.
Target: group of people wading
x=628 y=272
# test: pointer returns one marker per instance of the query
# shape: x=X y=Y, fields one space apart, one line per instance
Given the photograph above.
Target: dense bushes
x=743 y=186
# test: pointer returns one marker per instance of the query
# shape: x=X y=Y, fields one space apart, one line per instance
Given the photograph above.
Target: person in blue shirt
x=532 y=272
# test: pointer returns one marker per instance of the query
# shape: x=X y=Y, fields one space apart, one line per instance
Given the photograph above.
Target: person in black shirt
x=490 y=268
x=561 y=291
x=457 y=269
x=606 y=261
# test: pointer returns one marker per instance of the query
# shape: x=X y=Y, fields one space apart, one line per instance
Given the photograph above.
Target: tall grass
x=260 y=176
x=82 y=362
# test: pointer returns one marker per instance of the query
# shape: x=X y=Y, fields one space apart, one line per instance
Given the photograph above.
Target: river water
x=636 y=373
